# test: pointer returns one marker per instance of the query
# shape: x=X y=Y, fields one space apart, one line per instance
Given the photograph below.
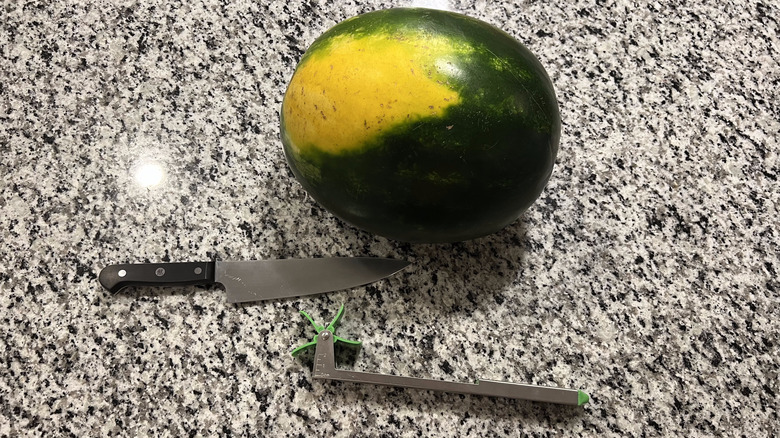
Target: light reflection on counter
x=148 y=174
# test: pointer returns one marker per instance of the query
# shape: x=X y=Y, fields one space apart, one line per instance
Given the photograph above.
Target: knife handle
x=116 y=277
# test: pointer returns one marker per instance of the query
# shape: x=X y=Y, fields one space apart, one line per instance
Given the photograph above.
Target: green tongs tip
x=318 y=328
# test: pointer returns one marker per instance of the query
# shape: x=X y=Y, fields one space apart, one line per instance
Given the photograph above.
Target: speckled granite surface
x=646 y=274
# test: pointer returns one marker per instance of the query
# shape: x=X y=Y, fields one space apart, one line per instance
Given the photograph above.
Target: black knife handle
x=116 y=277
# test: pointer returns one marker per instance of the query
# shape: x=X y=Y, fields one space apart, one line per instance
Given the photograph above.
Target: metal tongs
x=325 y=368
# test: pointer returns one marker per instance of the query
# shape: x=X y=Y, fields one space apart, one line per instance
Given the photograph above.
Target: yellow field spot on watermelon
x=353 y=89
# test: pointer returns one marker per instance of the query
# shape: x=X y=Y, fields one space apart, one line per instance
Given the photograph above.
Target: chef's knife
x=256 y=280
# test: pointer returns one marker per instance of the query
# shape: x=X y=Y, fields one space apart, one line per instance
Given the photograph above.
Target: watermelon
x=421 y=125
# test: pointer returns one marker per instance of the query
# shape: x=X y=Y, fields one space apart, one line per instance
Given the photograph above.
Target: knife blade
x=256 y=280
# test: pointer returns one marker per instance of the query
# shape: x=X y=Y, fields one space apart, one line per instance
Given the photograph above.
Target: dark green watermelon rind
x=466 y=174
x=421 y=183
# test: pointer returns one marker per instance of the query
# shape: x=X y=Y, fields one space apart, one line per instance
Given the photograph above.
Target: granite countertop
x=646 y=273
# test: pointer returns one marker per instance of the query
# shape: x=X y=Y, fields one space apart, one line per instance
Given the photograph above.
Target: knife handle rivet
x=122 y=273
x=159 y=272
x=198 y=270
